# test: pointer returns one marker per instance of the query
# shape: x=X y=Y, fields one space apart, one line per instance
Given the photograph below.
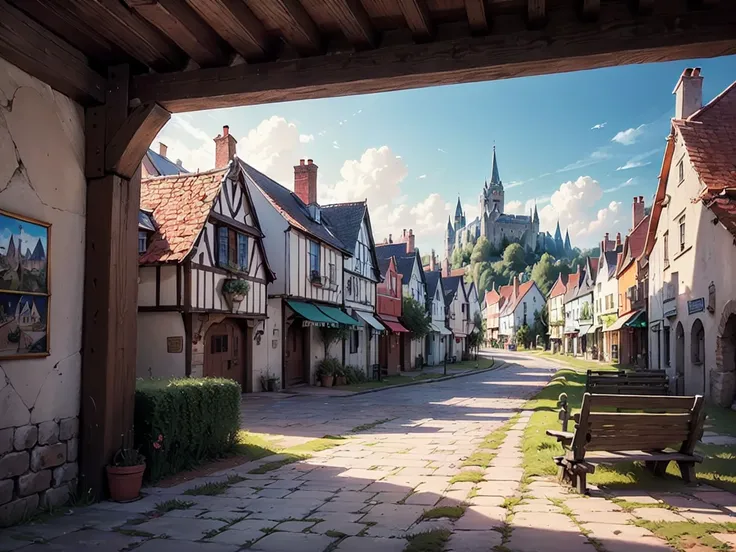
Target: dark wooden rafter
x=111 y=273
x=176 y=19
x=536 y=13
x=293 y=22
x=46 y=56
x=237 y=25
x=354 y=22
x=141 y=40
x=589 y=9
x=417 y=18
x=477 y=16
x=617 y=37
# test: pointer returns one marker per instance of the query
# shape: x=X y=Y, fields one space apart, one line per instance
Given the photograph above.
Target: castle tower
x=459 y=216
x=449 y=239
x=495 y=189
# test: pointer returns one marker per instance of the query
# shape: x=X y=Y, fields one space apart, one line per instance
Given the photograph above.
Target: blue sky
x=412 y=153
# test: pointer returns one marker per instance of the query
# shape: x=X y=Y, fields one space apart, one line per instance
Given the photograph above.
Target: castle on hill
x=500 y=228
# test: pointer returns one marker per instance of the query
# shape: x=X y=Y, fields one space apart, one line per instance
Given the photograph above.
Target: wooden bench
x=604 y=434
x=620 y=382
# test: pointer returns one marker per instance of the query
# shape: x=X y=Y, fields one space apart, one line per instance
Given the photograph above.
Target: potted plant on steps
x=125 y=475
x=234 y=290
x=340 y=376
x=326 y=370
x=269 y=381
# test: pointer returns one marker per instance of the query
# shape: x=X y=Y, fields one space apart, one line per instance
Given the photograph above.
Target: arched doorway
x=224 y=353
x=728 y=350
x=680 y=359
x=697 y=357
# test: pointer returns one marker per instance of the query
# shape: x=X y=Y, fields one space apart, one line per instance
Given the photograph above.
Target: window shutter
x=233 y=247
x=222 y=237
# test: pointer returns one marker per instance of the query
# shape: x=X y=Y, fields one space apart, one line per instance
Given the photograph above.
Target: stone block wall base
x=723 y=388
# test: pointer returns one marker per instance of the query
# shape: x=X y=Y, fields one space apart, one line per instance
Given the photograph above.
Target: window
x=666 y=248
x=354 y=341
x=681 y=223
x=697 y=344
x=218 y=344
x=142 y=242
x=333 y=275
x=680 y=171
x=232 y=249
x=314 y=260
x=666 y=337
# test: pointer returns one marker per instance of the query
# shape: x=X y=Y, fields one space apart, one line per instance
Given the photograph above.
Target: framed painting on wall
x=24 y=286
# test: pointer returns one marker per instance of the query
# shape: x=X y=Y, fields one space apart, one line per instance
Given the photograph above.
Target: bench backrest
x=646 y=382
x=651 y=422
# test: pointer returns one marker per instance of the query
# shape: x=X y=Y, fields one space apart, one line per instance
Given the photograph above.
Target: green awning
x=639 y=320
x=311 y=313
x=338 y=315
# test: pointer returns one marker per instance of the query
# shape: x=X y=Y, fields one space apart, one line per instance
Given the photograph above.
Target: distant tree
x=540 y=327
x=544 y=273
x=468 y=251
x=415 y=317
x=523 y=336
x=485 y=280
x=514 y=258
x=476 y=270
x=504 y=243
x=481 y=250
x=457 y=258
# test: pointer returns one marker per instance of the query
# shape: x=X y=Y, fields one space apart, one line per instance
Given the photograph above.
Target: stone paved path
x=370 y=493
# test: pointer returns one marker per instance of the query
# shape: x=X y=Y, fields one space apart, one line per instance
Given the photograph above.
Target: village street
x=371 y=492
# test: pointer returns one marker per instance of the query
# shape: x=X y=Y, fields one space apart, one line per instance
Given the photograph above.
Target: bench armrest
x=561 y=435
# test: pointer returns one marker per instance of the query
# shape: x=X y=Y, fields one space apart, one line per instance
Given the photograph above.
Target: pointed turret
x=449 y=223
x=495 y=178
x=458 y=209
x=558 y=234
x=568 y=247
x=536 y=214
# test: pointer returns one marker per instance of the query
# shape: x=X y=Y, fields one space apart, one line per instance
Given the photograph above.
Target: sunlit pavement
x=371 y=492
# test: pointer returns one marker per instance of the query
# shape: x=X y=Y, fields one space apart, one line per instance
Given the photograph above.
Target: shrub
x=355 y=374
x=328 y=367
x=180 y=423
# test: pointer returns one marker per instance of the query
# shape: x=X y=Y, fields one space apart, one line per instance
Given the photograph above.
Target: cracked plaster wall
x=42 y=176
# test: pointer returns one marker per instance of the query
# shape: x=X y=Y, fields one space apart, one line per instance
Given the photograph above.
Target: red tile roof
x=710 y=139
x=559 y=287
x=506 y=291
x=723 y=205
x=513 y=302
x=492 y=297
x=594 y=265
x=457 y=272
x=180 y=205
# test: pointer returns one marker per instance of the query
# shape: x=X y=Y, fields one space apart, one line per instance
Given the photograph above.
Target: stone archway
x=723 y=378
x=679 y=359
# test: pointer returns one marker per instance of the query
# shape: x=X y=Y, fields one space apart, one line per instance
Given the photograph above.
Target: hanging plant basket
x=234 y=290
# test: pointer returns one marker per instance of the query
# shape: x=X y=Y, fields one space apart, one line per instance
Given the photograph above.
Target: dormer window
x=232 y=249
x=142 y=241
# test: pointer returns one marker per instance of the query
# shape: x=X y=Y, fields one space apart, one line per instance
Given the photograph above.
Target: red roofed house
x=495 y=301
x=199 y=234
x=556 y=313
x=522 y=305
x=690 y=246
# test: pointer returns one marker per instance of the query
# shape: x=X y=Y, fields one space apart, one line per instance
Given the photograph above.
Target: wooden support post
x=111 y=279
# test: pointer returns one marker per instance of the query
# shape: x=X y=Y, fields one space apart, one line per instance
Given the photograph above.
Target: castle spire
x=568 y=247
x=459 y=208
x=536 y=215
x=449 y=223
x=558 y=234
x=495 y=178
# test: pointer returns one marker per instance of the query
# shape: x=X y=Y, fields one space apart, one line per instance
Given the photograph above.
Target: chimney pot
x=310 y=162
x=301 y=161
x=162 y=149
x=516 y=285
x=390 y=238
x=305 y=181
x=688 y=93
x=225 y=148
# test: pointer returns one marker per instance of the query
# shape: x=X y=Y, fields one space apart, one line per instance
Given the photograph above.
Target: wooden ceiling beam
x=177 y=20
x=589 y=9
x=40 y=53
x=237 y=25
x=536 y=13
x=565 y=45
x=477 y=17
x=294 y=23
x=417 y=18
x=353 y=20
x=135 y=36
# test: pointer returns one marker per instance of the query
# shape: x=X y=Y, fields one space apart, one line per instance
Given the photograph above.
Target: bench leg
x=581 y=484
x=660 y=468
x=687 y=469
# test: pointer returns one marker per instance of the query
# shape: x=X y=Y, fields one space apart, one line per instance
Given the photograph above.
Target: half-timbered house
x=389 y=309
x=458 y=314
x=308 y=257
x=350 y=222
x=203 y=277
x=439 y=336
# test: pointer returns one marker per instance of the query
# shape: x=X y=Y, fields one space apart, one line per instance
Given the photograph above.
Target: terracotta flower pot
x=341 y=380
x=327 y=380
x=125 y=482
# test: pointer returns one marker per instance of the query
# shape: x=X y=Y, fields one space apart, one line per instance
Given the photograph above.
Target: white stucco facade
x=42 y=152
x=523 y=312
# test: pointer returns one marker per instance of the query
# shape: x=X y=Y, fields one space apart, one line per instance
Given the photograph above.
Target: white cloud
x=306 y=138
x=335 y=145
x=596 y=157
x=626 y=184
x=629 y=136
x=422 y=176
x=517 y=207
x=598 y=126
x=441 y=150
x=514 y=184
x=638 y=160
x=574 y=204
x=632 y=165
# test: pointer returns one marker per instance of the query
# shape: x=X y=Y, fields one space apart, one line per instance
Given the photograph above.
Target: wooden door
x=224 y=352
x=294 y=356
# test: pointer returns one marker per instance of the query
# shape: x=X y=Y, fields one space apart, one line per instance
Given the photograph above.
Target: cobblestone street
x=374 y=491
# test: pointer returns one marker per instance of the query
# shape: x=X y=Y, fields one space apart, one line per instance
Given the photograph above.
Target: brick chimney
x=618 y=239
x=432 y=262
x=446 y=267
x=637 y=211
x=305 y=181
x=225 y=148
x=162 y=149
x=688 y=93
x=408 y=239
x=607 y=244
x=516 y=286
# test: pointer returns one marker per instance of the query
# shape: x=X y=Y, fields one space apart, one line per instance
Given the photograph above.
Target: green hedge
x=180 y=423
